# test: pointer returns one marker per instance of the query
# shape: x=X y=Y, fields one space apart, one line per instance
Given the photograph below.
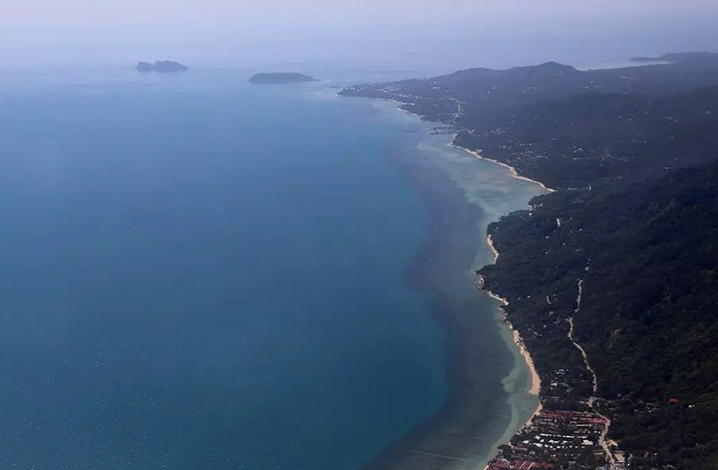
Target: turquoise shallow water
x=198 y=273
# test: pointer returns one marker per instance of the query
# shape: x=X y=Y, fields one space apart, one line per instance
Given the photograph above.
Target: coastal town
x=566 y=431
x=558 y=439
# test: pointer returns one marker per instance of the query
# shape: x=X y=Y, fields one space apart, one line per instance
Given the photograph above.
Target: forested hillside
x=598 y=138
x=621 y=262
x=648 y=316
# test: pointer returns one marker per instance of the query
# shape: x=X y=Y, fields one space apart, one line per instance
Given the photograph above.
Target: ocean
x=200 y=273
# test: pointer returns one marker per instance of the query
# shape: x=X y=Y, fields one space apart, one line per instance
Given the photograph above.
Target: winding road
x=592 y=399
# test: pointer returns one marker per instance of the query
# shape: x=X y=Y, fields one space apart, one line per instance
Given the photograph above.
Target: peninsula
x=280 y=78
x=609 y=281
x=161 y=66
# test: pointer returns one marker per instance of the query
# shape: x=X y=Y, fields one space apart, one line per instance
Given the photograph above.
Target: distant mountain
x=487 y=96
x=280 y=78
x=161 y=66
x=680 y=57
x=569 y=128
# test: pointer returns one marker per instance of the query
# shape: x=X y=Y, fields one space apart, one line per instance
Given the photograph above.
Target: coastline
x=494 y=251
x=463 y=411
x=513 y=171
x=516 y=341
x=512 y=337
x=535 y=379
x=519 y=423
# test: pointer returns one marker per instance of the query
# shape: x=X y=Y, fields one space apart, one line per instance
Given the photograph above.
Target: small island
x=161 y=66
x=280 y=78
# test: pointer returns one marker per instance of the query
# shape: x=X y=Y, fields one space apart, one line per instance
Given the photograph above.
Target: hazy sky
x=37 y=30
x=74 y=13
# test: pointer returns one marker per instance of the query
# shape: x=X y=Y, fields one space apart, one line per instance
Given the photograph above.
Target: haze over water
x=197 y=273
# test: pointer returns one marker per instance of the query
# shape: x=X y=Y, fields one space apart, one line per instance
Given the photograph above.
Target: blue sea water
x=196 y=273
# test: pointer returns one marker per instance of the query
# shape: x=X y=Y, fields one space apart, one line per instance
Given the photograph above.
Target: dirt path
x=592 y=398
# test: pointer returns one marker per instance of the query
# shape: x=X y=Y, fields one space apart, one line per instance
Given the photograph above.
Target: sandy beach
x=513 y=171
x=493 y=249
x=535 y=388
x=481 y=413
x=535 y=379
x=518 y=341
